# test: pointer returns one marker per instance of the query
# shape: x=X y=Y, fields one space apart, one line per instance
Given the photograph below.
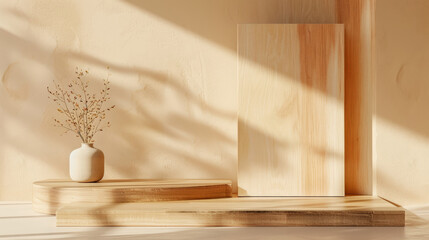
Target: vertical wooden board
x=291 y=110
x=358 y=19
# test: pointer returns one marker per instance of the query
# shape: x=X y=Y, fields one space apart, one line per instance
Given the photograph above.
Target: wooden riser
x=50 y=195
x=243 y=211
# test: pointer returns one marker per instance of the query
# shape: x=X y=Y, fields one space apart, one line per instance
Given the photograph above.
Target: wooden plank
x=50 y=195
x=242 y=211
x=358 y=19
x=291 y=112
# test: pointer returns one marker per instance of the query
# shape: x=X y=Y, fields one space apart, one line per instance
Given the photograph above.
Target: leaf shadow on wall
x=199 y=145
x=401 y=89
x=216 y=21
x=147 y=135
x=191 y=136
x=193 y=142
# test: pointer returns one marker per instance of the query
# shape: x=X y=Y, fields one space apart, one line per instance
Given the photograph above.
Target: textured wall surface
x=401 y=140
x=173 y=73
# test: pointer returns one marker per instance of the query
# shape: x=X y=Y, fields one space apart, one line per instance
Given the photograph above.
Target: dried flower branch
x=84 y=113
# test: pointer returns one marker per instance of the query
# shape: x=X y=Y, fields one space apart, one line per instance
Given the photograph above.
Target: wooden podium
x=49 y=195
x=140 y=202
x=238 y=211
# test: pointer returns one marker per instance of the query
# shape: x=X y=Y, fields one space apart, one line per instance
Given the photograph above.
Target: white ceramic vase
x=86 y=164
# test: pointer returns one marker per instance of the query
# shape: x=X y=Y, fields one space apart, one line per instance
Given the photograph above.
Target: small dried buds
x=83 y=112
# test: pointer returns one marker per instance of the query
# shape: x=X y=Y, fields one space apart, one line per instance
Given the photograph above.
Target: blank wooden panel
x=291 y=110
x=232 y=212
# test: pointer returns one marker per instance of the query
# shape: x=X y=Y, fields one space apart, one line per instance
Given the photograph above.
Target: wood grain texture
x=242 y=211
x=291 y=112
x=50 y=195
x=358 y=19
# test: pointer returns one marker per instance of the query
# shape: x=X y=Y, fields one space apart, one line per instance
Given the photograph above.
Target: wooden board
x=358 y=19
x=242 y=211
x=50 y=195
x=291 y=114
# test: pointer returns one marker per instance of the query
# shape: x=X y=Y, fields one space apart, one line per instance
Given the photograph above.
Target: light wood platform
x=49 y=195
x=242 y=211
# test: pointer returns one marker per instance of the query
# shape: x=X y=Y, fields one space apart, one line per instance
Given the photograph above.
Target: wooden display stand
x=50 y=195
x=200 y=203
x=241 y=211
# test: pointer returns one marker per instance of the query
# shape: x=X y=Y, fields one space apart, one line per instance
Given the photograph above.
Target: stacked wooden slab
x=50 y=195
x=239 y=211
x=200 y=203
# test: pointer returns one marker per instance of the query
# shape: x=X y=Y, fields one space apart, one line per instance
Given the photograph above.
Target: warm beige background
x=401 y=126
x=173 y=66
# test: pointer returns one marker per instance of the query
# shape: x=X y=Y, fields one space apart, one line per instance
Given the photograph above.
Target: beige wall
x=401 y=136
x=173 y=66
